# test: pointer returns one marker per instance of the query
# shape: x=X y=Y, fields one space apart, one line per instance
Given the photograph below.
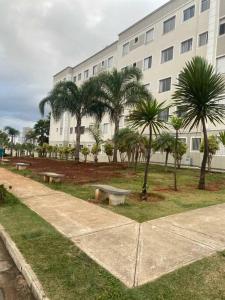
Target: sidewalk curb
x=23 y=266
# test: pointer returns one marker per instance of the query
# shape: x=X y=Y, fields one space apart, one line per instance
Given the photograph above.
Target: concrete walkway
x=134 y=253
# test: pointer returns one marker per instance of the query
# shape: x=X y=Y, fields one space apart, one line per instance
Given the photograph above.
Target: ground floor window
x=164 y=115
x=195 y=144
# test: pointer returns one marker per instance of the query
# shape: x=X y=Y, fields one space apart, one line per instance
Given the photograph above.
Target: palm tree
x=78 y=101
x=41 y=130
x=96 y=133
x=129 y=140
x=197 y=96
x=146 y=115
x=222 y=137
x=177 y=124
x=165 y=143
x=119 y=90
x=31 y=136
x=12 y=132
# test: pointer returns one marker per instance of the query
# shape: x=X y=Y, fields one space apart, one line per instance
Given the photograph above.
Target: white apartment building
x=160 y=44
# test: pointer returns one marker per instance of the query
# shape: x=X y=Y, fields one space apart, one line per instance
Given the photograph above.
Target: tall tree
x=41 y=130
x=31 y=136
x=119 y=90
x=146 y=115
x=4 y=139
x=197 y=96
x=12 y=132
x=177 y=123
x=78 y=101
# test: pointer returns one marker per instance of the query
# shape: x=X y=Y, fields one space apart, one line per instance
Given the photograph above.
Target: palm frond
x=198 y=93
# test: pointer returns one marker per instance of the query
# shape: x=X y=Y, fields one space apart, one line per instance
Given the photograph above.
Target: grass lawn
x=161 y=185
x=67 y=273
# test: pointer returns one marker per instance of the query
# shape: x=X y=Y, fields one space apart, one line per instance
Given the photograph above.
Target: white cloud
x=38 y=38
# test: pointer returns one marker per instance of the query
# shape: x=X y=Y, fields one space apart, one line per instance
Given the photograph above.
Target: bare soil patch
x=75 y=172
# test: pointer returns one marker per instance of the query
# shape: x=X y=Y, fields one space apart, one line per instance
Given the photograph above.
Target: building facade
x=160 y=44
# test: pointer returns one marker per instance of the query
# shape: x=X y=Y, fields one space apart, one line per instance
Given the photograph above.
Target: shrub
x=108 y=148
x=213 y=146
x=95 y=151
x=85 y=151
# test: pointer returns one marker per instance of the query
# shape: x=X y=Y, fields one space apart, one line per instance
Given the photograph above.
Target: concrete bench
x=116 y=196
x=22 y=166
x=5 y=161
x=51 y=177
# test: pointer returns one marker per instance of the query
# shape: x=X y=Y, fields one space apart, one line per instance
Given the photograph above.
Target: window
x=125 y=49
x=61 y=130
x=135 y=65
x=103 y=64
x=71 y=130
x=164 y=115
x=189 y=13
x=222 y=27
x=195 y=144
x=180 y=111
x=203 y=39
x=86 y=74
x=105 y=128
x=147 y=62
x=110 y=62
x=165 y=85
x=220 y=64
x=205 y=5
x=167 y=55
x=95 y=70
x=149 y=36
x=79 y=76
x=74 y=78
x=169 y=25
x=186 y=46
x=136 y=40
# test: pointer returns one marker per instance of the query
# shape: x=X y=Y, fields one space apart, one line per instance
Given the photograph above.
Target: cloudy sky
x=38 y=38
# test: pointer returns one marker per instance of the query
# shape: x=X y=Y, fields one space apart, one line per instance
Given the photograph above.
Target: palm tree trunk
x=117 y=122
x=136 y=158
x=77 y=150
x=201 y=184
x=144 y=188
x=166 y=161
x=175 y=162
x=11 y=147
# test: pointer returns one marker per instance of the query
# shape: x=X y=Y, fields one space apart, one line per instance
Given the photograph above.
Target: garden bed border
x=23 y=266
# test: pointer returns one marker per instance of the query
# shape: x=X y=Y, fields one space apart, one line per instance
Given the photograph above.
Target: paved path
x=135 y=253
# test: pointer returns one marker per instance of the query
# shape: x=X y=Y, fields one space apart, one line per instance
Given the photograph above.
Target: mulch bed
x=75 y=172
